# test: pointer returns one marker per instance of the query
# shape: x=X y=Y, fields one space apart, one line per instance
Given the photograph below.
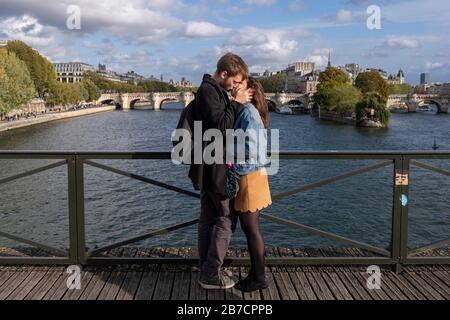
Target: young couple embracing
x=230 y=99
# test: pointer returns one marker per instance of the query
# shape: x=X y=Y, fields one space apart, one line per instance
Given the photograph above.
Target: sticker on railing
x=404 y=200
x=401 y=179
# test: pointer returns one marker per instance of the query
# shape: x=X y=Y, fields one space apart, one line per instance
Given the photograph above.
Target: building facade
x=295 y=75
x=424 y=78
x=72 y=72
x=398 y=79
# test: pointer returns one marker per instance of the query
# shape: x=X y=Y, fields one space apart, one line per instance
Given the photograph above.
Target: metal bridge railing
x=398 y=254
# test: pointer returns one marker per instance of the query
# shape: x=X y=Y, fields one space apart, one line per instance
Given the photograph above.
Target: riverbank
x=47 y=117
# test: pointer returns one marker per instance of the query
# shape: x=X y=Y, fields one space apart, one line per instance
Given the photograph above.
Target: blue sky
x=184 y=38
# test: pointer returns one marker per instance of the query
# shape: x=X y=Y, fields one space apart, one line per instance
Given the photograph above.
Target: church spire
x=329 y=58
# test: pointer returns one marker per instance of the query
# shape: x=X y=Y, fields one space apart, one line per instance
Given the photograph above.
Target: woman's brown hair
x=259 y=100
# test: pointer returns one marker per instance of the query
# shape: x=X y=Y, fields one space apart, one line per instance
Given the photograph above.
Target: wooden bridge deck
x=179 y=282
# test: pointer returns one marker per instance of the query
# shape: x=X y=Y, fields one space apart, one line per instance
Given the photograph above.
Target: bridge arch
x=296 y=102
x=165 y=100
x=136 y=100
x=440 y=107
x=110 y=101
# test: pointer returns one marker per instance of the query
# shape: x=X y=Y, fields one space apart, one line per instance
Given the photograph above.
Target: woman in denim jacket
x=254 y=193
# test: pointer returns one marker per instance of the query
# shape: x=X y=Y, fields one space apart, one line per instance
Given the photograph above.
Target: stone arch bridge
x=413 y=101
x=127 y=101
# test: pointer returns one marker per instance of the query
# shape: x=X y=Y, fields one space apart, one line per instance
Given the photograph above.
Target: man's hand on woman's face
x=243 y=95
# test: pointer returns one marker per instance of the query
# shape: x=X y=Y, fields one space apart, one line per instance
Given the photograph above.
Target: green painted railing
x=398 y=254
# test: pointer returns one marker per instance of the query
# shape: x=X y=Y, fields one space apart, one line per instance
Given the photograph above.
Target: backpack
x=186 y=122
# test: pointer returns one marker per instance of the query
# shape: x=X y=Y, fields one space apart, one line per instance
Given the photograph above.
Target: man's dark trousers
x=216 y=225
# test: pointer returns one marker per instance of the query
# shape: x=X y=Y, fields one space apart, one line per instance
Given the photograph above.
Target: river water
x=118 y=208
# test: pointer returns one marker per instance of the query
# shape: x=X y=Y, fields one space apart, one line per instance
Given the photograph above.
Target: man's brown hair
x=233 y=65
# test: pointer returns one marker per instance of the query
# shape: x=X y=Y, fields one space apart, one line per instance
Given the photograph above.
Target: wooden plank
x=75 y=294
x=443 y=276
x=147 y=285
x=424 y=287
x=408 y=290
x=114 y=283
x=285 y=286
x=6 y=274
x=59 y=288
x=271 y=292
x=215 y=294
x=233 y=293
x=301 y=284
x=196 y=291
x=319 y=286
x=130 y=285
x=375 y=293
x=353 y=286
x=14 y=281
x=441 y=287
x=95 y=286
x=28 y=284
x=43 y=286
x=397 y=294
x=164 y=285
x=112 y=286
x=337 y=287
x=181 y=285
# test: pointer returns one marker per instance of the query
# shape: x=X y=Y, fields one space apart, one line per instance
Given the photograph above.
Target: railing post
x=405 y=213
x=72 y=196
x=80 y=210
x=396 y=215
x=399 y=242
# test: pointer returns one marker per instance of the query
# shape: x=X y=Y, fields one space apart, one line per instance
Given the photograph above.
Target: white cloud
x=295 y=5
x=27 y=29
x=261 y=2
x=344 y=16
x=133 y=20
x=262 y=46
x=204 y=29
x=434 y=65
x=400 y=42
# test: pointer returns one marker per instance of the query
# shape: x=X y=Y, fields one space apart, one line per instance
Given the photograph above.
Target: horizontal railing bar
x=35 y=261
x=377 y=154
x=32 y=172
x=245 y=261
x=34 y=244
x=331 y=180
x=325 y=234
x=430 y=167
x=428 y=260
x=145 y=236
x=435 y=245
x=143 y=179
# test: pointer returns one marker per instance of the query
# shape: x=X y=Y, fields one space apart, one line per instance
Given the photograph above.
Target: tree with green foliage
x=41 y=69
x=376 y=102
x=274 y=84
x=16 y=86
x=67 y=93
x=343 y=98
x=328 y=80
x=157 y=86
x=372 y=81
x=92 y=90
x=400 y=89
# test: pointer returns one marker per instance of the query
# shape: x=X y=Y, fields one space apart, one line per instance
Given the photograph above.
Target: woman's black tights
x=255 y=242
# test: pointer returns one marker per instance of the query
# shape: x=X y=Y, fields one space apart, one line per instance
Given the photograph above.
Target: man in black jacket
x=217 y=218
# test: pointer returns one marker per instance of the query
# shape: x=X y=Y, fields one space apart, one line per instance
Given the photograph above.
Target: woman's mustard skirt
x=254 y=192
